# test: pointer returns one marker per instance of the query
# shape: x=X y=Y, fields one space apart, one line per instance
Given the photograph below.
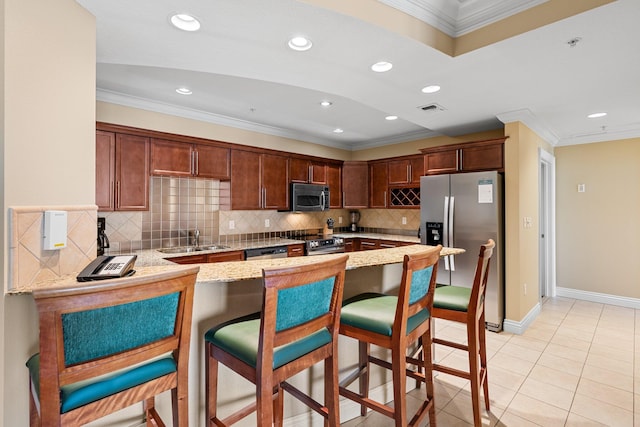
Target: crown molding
x=532 y=122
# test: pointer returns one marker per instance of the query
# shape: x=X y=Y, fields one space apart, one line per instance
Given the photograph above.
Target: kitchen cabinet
x=334 y=182
x=259 y=181
x=472 y=156
x=350 y=245
x=378 y=184
x=369 y=244
x=208 y=258
x=295 y=250
x=189 y=160
x=307 y=171
x=122 y=172
x=355 y=185
x=406 y=171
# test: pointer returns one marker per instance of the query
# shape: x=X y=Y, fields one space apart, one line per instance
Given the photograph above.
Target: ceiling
x=242 y=74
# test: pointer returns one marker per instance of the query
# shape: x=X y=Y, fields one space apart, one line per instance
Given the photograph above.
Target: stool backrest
x=98 y=328
x=481 y=276
x=299 y=301
x=417 y=286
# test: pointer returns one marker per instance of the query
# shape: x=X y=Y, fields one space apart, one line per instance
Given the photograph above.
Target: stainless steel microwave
x=309 y=197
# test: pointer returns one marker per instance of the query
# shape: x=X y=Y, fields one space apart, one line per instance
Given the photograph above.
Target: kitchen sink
x=187 y=249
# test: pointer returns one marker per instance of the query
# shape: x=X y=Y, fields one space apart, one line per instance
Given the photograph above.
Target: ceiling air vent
x=432 y=108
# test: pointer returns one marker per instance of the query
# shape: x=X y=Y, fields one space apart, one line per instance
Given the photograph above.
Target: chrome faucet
x=195 y=237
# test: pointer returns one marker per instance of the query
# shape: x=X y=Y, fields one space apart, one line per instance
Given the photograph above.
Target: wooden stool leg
x=331 y=392
x=474 y=371
x=483 y=360
x=278 y=407
x=363 y=380
x=211 y=386
x=427 y=366
x=399 y=363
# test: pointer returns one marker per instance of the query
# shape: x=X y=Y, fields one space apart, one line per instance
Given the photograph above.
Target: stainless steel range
x=324 y=245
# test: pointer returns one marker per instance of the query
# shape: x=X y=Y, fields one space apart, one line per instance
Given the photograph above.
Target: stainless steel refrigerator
x=464 y=211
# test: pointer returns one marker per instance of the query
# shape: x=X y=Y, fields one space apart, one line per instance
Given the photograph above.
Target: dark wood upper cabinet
x=259 y=181
x=406 y=171
x=122 y=172
x=334 y=182
x=355 y=185
x=468 y=157
x=378 y=185
x=307 y=171
x=190 y=160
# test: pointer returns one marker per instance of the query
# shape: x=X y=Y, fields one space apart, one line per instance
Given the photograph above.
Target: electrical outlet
x=404 y=220
x=581 y=188
x=525 y=288
x=339 y=220
x=267 y=223
x=232 y=224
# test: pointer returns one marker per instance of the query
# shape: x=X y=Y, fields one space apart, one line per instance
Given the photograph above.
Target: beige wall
x=521 y=200
x=48 y=147
x=598 y=236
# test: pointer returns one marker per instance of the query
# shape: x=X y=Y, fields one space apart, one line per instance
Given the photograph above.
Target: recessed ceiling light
x=338 y=130
x=184 y=91
x=185 y=22
x=596 y=115
x=300 y=43
x=326 y=103
x=391 y=118
x=431 y=89
x=382 y=66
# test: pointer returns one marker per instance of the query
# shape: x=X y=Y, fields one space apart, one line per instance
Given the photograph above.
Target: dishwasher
x=265 y=253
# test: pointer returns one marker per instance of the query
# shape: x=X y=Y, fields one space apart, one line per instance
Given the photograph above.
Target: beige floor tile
x=580 y=322
x=575 y=420
x=605 y=393
x=555 y=377
x=551 y=317
x=607 y=377
x=566 y=331
x=568 y=341
x=566 y=352
x=548 y=393
x=619 y=366
x=520 y=352
x=614 y=354
x=511 y=420
x=510 y=363
x=504 y=378
x=460 y=407
x=541 y=331
x=602 y=412
x=562 y=364
x=537 y=412
x=531 y=343
x=447 y=420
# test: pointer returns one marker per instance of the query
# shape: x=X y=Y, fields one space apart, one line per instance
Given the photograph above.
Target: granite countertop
x=233 y=271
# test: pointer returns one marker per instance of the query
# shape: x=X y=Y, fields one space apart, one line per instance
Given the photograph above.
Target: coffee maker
x=354 y=217
x=103 y=240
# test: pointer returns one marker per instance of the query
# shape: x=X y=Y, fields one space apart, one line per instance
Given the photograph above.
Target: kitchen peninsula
x=228 y=290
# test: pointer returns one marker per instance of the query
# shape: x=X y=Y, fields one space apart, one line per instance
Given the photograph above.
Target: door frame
x=547 y=206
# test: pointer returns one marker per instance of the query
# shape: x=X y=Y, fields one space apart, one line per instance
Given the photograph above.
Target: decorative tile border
x=29 y=263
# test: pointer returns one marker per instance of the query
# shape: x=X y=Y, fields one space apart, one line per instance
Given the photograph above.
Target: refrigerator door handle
x=450 y=229
x=445 y=230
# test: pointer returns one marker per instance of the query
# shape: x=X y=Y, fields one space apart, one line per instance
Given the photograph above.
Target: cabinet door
x=441 y=162
x=132 y=173
x=482 y=157
x=171 y=158
x=275 y=182
x=212 y=162
x=399 y=172
x=299 y=170
x=245 y=180
x=318 y=173
x=105 y=170
x=369 y=244
x=417 y=169
x=355 y=185
x=378 y=185
x=226 y=256
x=334 y=184
x=295 y=250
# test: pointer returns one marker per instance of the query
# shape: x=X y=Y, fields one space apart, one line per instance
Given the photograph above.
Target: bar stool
x=297 y=328
x=466 y=305
x=395 y=323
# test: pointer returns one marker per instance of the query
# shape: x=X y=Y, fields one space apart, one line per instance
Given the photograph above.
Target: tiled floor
x=578 y=364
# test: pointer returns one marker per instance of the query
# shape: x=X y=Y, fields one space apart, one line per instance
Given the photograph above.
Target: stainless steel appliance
x=463 y=211
x=327 y=245
x=309 y=197
x=265 y=253
x=354 y=217
x=103 y=240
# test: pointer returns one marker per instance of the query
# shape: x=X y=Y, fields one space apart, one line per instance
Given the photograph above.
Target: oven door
x=326 y=250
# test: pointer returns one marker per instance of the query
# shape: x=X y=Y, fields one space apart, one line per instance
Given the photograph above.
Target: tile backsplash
x=179 y=205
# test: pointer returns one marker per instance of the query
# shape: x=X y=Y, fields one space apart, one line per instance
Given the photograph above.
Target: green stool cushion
x=452 y=298
x=376 y=313
x=76 y=395
x=239 y=337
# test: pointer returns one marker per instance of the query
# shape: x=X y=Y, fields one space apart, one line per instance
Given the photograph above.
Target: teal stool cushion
x=76 y=395
x=452 y=298
x=376 y=313
x=240 y=337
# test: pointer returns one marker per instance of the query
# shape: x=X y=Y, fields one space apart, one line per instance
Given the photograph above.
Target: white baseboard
x=598 y=297
x=518 y=327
